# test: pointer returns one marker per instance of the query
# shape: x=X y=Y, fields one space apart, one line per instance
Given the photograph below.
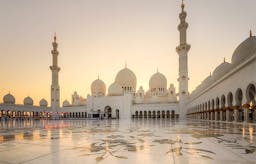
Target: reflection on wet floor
x=102 y=141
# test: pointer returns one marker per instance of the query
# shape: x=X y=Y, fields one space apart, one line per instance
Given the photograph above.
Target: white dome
x=9 y=99
x=115 y=90
x=28 y=101
x=221 y=70
x=98 y=88
x=157 y=80
x=126 y=78
x=244 y=50
x=43 y=103
x=65 y=103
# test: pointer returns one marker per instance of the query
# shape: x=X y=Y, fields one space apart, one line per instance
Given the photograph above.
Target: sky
x=97 y=37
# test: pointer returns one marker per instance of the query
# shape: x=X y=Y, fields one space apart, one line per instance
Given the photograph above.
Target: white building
x=228 y=94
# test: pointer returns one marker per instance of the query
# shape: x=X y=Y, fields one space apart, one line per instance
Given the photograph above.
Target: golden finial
x=250 y=33
x=182 y=5
x=55 y=37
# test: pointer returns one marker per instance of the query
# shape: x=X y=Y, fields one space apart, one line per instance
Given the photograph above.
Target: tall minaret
x=55 y=88
x=182 y=51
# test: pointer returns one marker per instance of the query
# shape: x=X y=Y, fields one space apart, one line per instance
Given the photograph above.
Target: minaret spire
x=55 y=89
x=182 y=51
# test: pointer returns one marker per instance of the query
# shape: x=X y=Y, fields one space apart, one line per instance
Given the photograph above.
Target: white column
x=236 y=114
x=216 y=115
x=221 y=115
x=246 y=112
x=227 y=115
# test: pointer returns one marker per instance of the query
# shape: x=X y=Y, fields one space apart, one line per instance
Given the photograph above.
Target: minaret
x=55 y=88
x=182 y=51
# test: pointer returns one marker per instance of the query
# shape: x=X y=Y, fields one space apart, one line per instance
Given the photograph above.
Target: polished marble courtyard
x=126 y=141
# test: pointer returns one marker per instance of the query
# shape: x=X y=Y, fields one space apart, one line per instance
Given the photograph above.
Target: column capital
x=236 y=107
x=246 y=106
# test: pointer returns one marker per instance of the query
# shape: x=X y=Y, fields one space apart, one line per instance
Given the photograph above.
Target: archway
x=173 y=114
x=149 y=114
x=117 y=113
x=108 y=112
x=145 y=114
x=238 y=103
x=140 y=115
x=168 y=114
x=230 y=107
x=223 y=102
x=154 y=114
x=163 y=114
x=136 y=114
x=158 y=114
x=250 y=99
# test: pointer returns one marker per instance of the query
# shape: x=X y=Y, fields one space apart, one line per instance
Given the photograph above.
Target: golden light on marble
x=19 y=136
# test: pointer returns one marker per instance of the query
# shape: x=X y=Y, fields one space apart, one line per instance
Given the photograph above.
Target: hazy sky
x=96 y=37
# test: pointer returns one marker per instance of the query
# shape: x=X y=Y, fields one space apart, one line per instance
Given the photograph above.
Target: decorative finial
x=182 y=5
x=224 y=60
x=55 y=37
x=250 y=33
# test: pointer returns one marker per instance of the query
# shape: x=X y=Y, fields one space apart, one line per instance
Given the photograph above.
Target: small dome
x=127 y=79
x=28 y=101
x=9 y=99
x=43 y=103
x=65 y=103
x=115 y=90
x=98 y=88
x=158 y=80
x=221 y=70
x=244 y=50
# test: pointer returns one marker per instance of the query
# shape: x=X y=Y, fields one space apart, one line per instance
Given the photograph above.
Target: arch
x=145 y=114
x=108 y=112
x=154 y=114
x=158 y=114
x=173 y=114
x=250 y=94
x=217 y=103
x=149 y=114
x=117 y=114
x=230 y=99
x=209 y=105
x=239 y=97
x=140 y=114
x=163 y=114
x=213 y=104
x=168 y=114
x=223 y=101
x=136 y=114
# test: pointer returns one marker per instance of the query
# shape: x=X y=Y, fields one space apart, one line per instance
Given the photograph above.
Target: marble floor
x=126 y=141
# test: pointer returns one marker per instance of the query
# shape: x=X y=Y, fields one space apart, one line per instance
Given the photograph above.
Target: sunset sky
x=97 y=37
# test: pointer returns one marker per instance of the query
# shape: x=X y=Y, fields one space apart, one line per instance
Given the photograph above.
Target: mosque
x=228 y=94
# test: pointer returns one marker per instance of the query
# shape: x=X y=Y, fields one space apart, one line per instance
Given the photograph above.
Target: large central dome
x=127 y=79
